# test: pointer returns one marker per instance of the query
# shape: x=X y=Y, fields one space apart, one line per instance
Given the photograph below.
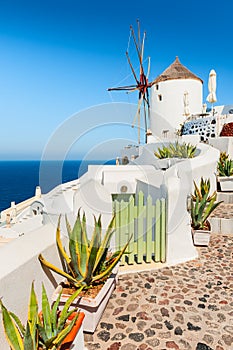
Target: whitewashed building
x=176 y=94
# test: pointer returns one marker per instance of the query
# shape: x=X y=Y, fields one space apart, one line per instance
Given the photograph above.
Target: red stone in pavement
x=172 y=345
x=164 y=302
x=114 y=346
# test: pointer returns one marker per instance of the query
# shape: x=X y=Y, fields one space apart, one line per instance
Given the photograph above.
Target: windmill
x=142 y=85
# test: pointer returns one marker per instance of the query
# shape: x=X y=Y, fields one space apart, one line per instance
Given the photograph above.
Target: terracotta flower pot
x=69 y=339
x=68 y=342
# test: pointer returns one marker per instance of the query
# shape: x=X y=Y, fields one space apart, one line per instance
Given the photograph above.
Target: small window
x=157 y=86
x=230 y=111
x=160 y=97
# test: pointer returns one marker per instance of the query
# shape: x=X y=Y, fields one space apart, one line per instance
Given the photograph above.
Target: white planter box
x=226 y=183
x=78 y=343
x=166 y=163
x=92 y=307
x=201 y=237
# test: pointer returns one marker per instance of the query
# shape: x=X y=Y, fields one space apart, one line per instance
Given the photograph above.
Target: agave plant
x=176 y=150
x=186 y=150
x=45 y=331
x=203 y=189
x=201 y=209
x=162 y=153
x=225 y=165
x=223 y=156
x=88 y=261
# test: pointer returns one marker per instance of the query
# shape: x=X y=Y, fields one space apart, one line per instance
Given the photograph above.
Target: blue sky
x=59 y=57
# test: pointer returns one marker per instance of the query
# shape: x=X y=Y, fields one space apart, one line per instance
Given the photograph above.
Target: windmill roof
x=176 y=71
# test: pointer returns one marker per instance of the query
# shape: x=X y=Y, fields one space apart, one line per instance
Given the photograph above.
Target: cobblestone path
x=188 y=306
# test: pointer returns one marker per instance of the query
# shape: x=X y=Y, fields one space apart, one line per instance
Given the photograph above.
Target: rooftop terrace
x=187 y=306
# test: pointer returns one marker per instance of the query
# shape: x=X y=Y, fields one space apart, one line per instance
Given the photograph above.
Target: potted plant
x=89 y=264
x=48 y=330
x=202 y=205
x=225 y=172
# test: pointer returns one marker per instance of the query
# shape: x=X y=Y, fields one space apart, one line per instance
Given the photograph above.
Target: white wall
x=223 y=144
x=179 y=182
x=19 y=266
x=168 y=114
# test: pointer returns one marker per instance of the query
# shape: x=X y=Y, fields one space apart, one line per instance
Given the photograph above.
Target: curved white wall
x=168 y=113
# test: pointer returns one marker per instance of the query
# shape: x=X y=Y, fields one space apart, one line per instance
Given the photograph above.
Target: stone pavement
x=224 y=211
x=188 y=306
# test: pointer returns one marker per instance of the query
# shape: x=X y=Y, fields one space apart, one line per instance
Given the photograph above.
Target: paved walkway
x=188 y=306
x=224 y=211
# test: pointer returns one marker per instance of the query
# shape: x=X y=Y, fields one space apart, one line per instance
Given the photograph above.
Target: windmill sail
x=142 y=85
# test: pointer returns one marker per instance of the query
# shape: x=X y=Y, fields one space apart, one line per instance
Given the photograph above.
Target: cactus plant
x=45 y=331
x=88 y=261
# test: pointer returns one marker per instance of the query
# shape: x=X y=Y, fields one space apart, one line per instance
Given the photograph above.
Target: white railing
x=15 y=209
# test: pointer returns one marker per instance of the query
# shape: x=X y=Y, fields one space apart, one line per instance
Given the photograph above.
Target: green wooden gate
x=147 y=225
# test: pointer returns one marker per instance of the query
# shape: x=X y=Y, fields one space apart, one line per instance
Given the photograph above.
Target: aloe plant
x=88 y=262
x=203 y=189
x=201 y=208
x=176 y=150
x=45 y=331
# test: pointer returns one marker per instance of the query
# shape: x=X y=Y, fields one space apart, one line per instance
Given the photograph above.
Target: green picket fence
x=146 y=223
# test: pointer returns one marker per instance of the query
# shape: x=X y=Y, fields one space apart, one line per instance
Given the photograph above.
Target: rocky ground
x=188 y=306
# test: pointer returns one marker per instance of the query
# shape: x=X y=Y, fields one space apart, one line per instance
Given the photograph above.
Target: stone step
x=222 y=219
x=227 y=197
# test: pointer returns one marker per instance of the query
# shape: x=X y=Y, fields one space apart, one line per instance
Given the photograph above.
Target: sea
x=18 y=179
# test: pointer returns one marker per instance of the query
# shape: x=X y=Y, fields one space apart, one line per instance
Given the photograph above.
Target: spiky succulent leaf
x=176 y=150
x=33 y=311
x=109 y=269
x=46 y=313
x=94 y=247
x=61 y=336
x=225 y=166
x=64 y=313
x=18 y=323
x=84 y=246
x=29 y=341
x=57 y=270
x=210 y=208
x=68 y=227
x=61 y=249
x=12 y=333
x=54 y=312
x=75 y=247
x=202 y=190
x=103 y=250
x=42 y=332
